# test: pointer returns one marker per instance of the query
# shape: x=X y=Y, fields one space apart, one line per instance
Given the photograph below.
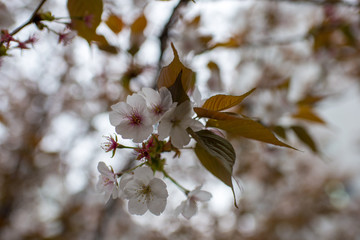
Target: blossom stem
x=31 y=20
x=119 y=174
x=123 y=146
x=175 y=182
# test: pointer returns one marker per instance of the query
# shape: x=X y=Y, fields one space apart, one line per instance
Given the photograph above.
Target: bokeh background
x=302 y=56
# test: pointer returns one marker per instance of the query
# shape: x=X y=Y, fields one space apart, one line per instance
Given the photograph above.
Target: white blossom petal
x=115 y=118
x=121 y=108
x=190 y=209
x=124 y=180
x=203 y=196
x=175 y=122
x=180 y=208
x=107 y=182
x=166 y=98
x=195 y=125
x=158 y=188
x=108 y=193
x=115 y=193
x=151 y=96
x=136 y=101
x=132 y=119
x=179 y=137
x=158 y=102
x=197 y=97
x=183 y=110
x=137 y=206
x=141 y=133
x=164 y=128
x=133 y=188
x=104 y=170
x=144 y=173
x=144 y=192
x=157 y=205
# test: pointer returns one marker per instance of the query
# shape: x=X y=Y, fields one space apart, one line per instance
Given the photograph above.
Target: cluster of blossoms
x=157 y=124
x=142 y=112
x=6 y=39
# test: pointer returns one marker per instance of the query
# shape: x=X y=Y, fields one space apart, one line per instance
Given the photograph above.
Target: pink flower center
x=110 y=145
x=107 y=181
x=157 y=110
x=135 y=119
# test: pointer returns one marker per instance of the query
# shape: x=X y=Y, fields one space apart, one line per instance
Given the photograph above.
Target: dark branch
x=31 y=20
x=164 y=36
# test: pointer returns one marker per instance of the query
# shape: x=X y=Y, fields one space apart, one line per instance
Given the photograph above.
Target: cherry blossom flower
x=145 y=149
x=175 y=122
x=111 y=144
x=188 y=208
x=197 y=98
x=144 y=192
x=6 y=37
x=131 y=119
x=158 y=102
x=107 y=181
x=67 y=36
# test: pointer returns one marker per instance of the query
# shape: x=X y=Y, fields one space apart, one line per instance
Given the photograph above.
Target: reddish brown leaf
x=221 y=102
x=115 y=23
x=169 y=73
x=306 y=113
x=238 y=126
x=85 y=17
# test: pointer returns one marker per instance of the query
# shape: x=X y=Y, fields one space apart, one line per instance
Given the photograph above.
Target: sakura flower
x=107 y=181
x=131 y=119
x=111 y=144
x=158 y=102
x=144 y=192
x=197 y=98
x=188 y=208
x=66 y=36
x=175 y=122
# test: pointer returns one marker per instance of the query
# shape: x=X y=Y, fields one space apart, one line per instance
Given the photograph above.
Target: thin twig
x=274 y=42
x=31 y=20
x=164 y=36
x=175 y=182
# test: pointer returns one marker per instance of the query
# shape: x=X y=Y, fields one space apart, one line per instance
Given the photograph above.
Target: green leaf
x=3 y=50
x=85 y=17
x=221 y=102
x=170 y=73
x=215 y=153
x=46 y=16
x=305 y=137
x=177 y=91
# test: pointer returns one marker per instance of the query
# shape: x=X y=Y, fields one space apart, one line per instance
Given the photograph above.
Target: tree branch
x=31 y=20
x=164 y=36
